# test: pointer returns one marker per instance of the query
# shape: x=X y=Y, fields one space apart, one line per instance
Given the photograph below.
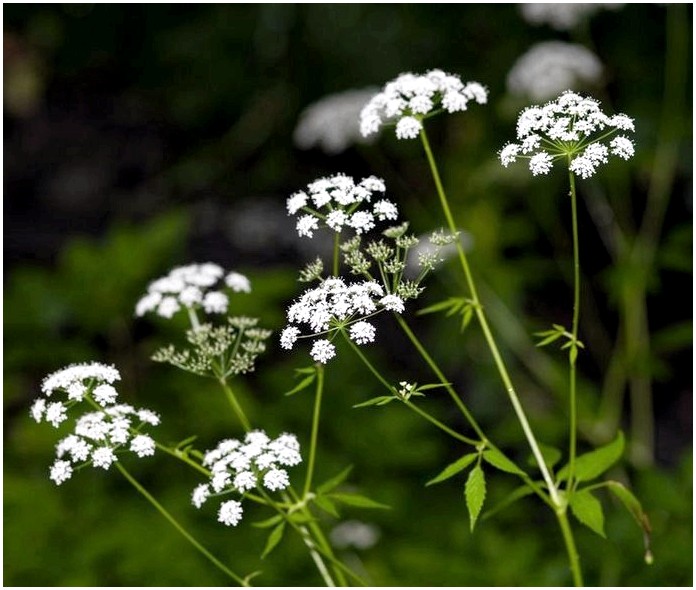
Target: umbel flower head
x=410 y=98
x=551 y=67
x=571 y=128
x=332 y=123
x=192 y=287
x=339 y=202
x=240 y=466
x=75 y=381
x=335 y=305
x=99 y=437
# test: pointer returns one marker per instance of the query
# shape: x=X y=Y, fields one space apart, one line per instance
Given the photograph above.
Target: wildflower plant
x=370 y=273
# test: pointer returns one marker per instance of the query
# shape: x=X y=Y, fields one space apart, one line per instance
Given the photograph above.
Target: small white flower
x=37 y=409
x=393 y=303
x=296 y=202
x=215 y=302
x=230 y=513
x=408 y=128
x=244 y=481
x=288 y=337
x=168 y=307
x=238 y=282
x=55 y=414
x=220 y=480
x=362 y=222
x=322 y=351
x=190 y=296
x=103 y=457
x=148 y=303
x=540 y=163
x=142 y=445
x=200 y=494
x=60 y=472
x=276 y=479
x=508 y=154
x=336 y=220
x=385 y=210
x=307 y=225
x=76 y=390
x=362 y=332
x=105 y=394
x=79 y=373
x=622 y=146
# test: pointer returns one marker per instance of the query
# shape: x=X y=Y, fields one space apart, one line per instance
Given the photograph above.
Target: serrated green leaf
x=550 y=454
x=327 y=505
x=594 y=463
x=334 y=482
x=453 y=468
x=588 y=510
x=273 y=539
x=500 y=461
x=306 y=382
x=380 y=400
x=475 y=493
x=358 y=500
x=269 y=522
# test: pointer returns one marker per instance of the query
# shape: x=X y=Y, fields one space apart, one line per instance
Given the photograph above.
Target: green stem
x=408 y=403
x=238 y=411
x=573 y=348
x=500 y=365
x=216 y=562
x=573 y=556
x=315 y=430
x=336 y=249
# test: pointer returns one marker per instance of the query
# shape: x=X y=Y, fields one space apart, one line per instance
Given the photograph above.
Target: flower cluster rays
x=571 y=127
x=408 y=99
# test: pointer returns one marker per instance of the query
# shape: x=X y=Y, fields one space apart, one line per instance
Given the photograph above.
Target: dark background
x=141 y=137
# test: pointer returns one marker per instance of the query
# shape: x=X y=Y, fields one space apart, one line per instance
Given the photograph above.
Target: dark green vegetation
x=140 y=137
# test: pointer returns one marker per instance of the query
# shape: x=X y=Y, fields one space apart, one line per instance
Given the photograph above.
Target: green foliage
x=588 y=510
x=453 y=468
x=593 y=464
x=475 y=493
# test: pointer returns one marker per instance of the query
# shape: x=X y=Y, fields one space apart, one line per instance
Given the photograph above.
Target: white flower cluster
x=237 y=467
x=76 y=381
x=410 y=98
x=570 y=126
x=335 y=304
x=97 y=435
x=336 y=202
x=332 y=123
x=191 y=287
x=563 y=16
x=551 y=67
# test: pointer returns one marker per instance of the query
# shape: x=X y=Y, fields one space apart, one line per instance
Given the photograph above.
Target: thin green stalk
x=336 y=250
x=315 y=430
x=216 y=562
x=408 y=403
x=573 y=348
x=238 y=411
x=500 y=365
x=573 y=556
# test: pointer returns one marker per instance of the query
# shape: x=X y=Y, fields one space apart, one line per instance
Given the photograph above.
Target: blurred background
x=142 y=137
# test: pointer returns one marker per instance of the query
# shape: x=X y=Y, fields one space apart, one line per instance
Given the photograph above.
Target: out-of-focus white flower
x=353 y=533
x=408 y=99
x=191 y=287
x=563 y=16
x=571 y=128
x=333 y=123
x=337 y=202
x=239 y=466
x=549 y=68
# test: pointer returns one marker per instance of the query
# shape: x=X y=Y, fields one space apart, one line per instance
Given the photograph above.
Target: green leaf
x=269 y=522
x=273 y=539
x=594 y=463
x=380 y=400
x=467 y=314
x=301 y=518
x=549 y=339
x=306 y=382
x=431 y=386
x=186 y=442
x=453 y=468
x=452 y=303
x=550 y=454
x=358 y=500
x=635 y=508
x=335 y=481
x=588 y=510
x=500 y=461
x=326 y=505
x=475 y=493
